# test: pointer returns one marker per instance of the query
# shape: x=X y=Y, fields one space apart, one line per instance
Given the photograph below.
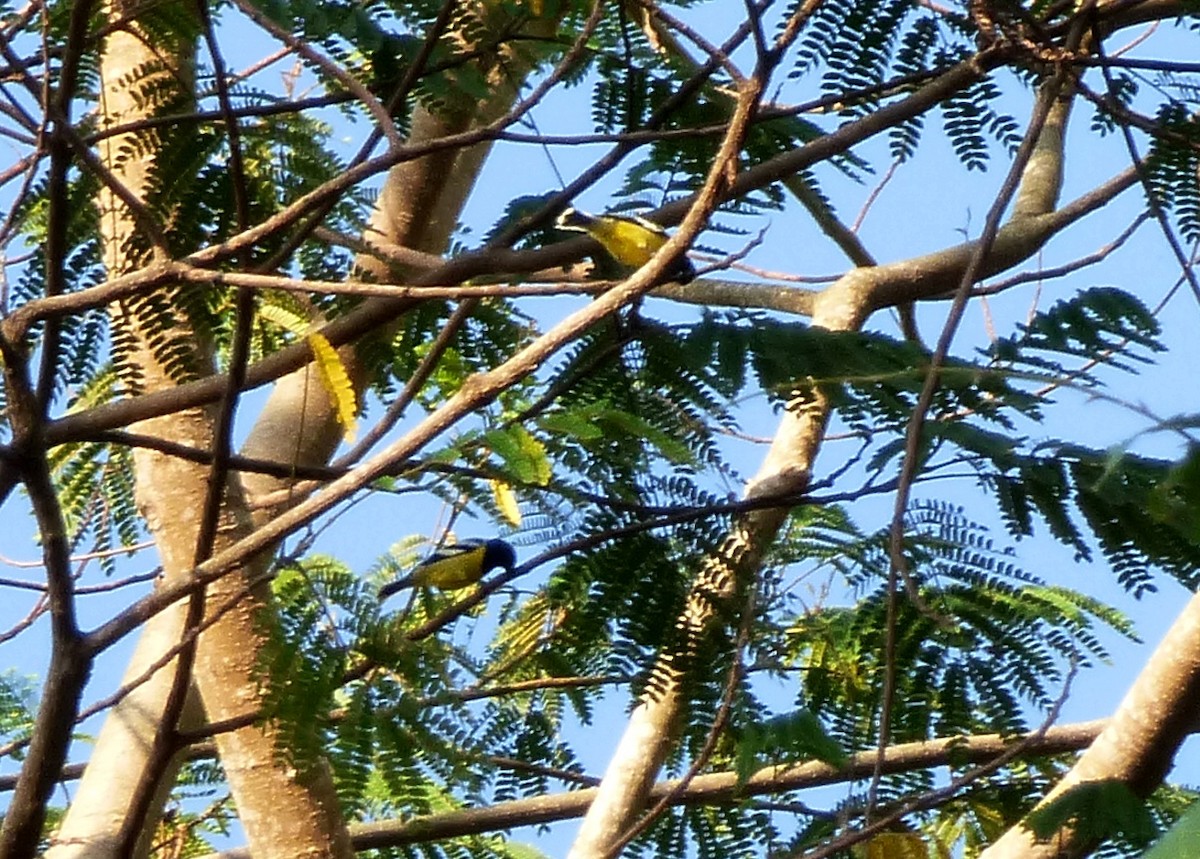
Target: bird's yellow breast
x=628 y=242
x=458 y=570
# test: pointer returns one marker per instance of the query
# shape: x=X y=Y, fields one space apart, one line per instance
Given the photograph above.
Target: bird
x=458 y=565
x=628 y=239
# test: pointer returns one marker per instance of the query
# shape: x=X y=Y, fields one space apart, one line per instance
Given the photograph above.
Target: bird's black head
x=497 y=553
x=573 y=219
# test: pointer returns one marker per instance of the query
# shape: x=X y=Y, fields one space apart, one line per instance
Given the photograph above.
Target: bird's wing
x=454 y=566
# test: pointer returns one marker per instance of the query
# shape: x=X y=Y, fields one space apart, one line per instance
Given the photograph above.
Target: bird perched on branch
x=628 y=239
x=458 y=565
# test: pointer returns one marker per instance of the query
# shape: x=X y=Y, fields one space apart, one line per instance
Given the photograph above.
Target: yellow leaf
x=336 y=382
x=506 y=500
x=894 y=845
x=283 y=317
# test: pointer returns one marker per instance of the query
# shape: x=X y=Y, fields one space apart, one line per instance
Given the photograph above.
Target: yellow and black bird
x=628 y=239
x=458 y=565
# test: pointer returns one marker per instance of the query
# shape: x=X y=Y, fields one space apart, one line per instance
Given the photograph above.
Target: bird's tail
x=396 y=586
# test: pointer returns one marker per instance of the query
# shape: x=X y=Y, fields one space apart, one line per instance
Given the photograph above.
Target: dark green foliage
x=1099 y=324
x=970 y=121
x=840 y=34
x=1178 y=841
x=303 y=668
x=1098 y=810
x=859 y=46
x=517 y=211
x=992 y=638
x=790 y=738
x=83 y=337
x=1116 y=495
x=95 y=486
x=1172 y=168
x=164 y=321
x=720 y=832
x=913 y=56
x=871 y=379
x=16 y=707
x=404 y=740
x=150 y=320
x=95 y=481
x=1176 y=500
x=628 y=594
x=1122 y=90
x=861 y=54
x=621 y=98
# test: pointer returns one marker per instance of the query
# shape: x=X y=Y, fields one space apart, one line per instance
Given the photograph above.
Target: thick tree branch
x=70 y=663
x=376 y=313
x=718 y=787
x=1138 y=744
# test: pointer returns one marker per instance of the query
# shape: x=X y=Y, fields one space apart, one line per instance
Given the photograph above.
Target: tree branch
x=714 y=788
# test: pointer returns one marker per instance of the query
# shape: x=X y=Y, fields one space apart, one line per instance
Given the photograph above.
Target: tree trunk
x=286 y=811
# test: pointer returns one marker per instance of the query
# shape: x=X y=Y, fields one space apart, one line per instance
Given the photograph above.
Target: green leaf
x=794 y=735
x=1097 y=810
x=1181 y=839
x=523 y=454
x=1176 y=500
x=578 y=424
x=668 y=446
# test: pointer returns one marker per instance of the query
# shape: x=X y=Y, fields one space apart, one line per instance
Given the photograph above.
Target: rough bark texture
x=286 y=810
x=169 y=492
